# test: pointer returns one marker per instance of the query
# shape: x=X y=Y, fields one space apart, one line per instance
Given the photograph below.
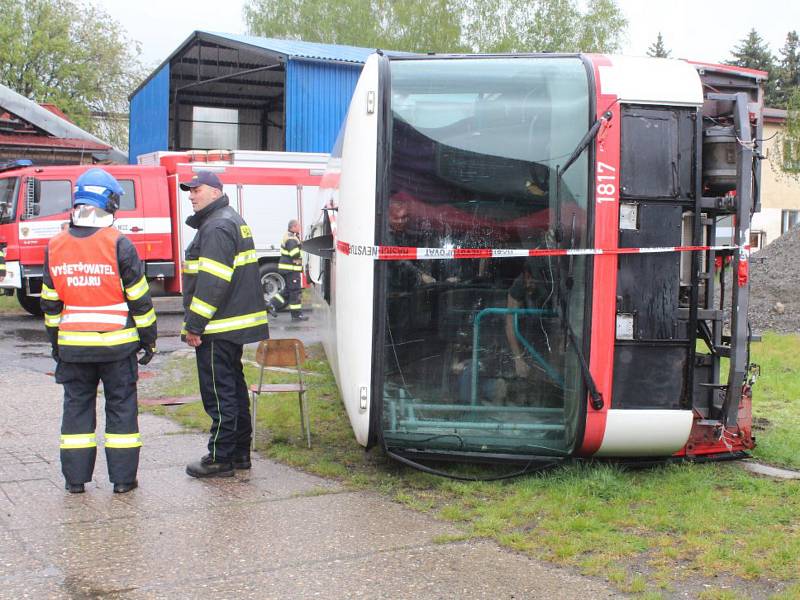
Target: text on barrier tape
x=414 y=253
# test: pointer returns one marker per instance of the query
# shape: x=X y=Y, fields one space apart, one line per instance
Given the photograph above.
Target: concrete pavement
x=273 y=532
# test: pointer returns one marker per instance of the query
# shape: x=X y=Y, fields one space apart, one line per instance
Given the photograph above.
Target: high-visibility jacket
x=2 y=261
x=85 y=273
x=95 y=297
x=222 y=293
x=290 y=253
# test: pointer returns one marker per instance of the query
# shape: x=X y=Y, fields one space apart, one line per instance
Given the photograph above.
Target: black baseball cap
x=203 y=178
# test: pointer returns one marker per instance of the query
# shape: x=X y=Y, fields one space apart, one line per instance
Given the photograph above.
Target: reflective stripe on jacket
x=290 y=253
x=95 y=297
x=222 y=293
x=86 y=278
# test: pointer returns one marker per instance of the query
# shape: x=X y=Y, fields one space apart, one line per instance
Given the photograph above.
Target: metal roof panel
x=301 y=49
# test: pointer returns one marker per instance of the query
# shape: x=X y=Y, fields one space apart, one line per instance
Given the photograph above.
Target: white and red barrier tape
x=413 y=253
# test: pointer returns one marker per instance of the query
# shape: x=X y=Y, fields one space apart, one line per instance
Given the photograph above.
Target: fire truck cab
x=266 y=188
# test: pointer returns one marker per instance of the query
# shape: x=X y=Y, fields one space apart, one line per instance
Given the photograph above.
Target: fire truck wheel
x=272 y=283
x=29 y=303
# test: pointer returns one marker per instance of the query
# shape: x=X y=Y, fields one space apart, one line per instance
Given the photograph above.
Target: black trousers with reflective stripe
x=293 y=290
x=80 y=381
x=225 y=398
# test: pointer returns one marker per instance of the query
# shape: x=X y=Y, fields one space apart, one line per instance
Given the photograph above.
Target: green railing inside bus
x=516 y=312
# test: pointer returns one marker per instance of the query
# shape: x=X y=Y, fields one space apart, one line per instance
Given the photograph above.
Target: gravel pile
x=775 y=285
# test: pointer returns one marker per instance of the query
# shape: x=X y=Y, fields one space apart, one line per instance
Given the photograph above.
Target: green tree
x=412 y=25
x=754 y=53
x=785 y=153
x=350 y=22
x=788 y=70
x=421 y=25
x=657 y=49
x=72 y=54
x=445 y=25
x=601 y=27
x=543 y=26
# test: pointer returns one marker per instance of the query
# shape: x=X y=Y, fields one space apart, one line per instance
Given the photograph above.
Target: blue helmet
x=97 y=188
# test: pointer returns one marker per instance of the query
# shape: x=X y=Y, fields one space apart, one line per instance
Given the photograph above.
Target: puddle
x=31 y=335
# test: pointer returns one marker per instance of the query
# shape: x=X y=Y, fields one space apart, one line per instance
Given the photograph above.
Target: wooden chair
x=282 y=353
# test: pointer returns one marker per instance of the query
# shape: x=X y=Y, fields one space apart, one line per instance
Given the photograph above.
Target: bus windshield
x=476 y=357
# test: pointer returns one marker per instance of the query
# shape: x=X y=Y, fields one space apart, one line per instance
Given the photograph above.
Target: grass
x=776 y=405
x=9 y=304
x=645 y=531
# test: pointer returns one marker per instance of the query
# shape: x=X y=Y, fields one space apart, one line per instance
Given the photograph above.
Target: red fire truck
x=266 y=188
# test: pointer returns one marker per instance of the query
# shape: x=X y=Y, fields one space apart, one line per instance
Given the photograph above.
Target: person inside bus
x=533 y=288
x=410 y=273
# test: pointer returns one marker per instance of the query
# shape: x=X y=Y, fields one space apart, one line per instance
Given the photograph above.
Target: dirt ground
x=775 y=285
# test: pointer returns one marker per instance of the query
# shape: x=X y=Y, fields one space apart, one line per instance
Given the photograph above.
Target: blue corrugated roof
x=319 y=82
x=300 y=49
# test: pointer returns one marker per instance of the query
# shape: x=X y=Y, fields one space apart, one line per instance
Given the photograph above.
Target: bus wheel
x=29 y=303
x=272 y=282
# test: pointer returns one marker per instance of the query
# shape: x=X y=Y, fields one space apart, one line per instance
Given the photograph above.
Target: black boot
x=74 y=488
x=299 y=316
x=242 y=462
x=271 y=310
x=208 y=467
x=123 y=488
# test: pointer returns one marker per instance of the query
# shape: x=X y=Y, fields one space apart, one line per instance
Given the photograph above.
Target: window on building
x=791 y=156
x=215 y=128
x=756 y=240
x=54 y=197
x=789 y=219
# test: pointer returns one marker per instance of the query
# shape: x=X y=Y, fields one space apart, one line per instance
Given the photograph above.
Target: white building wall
x=779 y=192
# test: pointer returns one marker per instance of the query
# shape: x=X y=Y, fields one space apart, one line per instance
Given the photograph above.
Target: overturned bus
x=517 y=257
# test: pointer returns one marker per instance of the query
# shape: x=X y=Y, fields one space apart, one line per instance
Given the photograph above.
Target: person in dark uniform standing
x=291 y=266
x=2 y=263
x=224 y=309
x=98 y=314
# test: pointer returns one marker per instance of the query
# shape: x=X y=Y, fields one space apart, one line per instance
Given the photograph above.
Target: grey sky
x=707 y=30
x=704 y=30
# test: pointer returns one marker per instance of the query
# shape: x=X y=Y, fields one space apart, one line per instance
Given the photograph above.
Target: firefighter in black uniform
x=224 y=309
x=98 y=314
x=2 y=263
x=291 y=266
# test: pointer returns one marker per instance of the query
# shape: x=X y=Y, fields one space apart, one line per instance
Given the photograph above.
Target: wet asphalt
x=272 y=532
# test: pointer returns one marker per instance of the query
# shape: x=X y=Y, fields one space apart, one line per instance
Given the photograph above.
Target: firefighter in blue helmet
x=98 y=314
x=224 y=309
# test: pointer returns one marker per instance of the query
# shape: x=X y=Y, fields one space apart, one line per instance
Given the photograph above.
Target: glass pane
x=128 y=200
x=476 y=356
x=55 y=197
x=8 y=189
x=215 y=128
